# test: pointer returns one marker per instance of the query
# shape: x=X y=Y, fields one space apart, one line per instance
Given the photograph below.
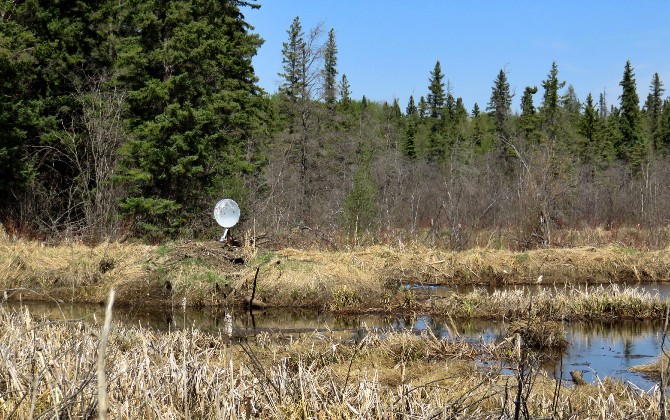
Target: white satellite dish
x=226 y=214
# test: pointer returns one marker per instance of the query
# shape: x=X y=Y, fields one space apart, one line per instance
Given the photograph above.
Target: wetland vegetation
x=50 y=370
x=118 y=138
x=380 y=373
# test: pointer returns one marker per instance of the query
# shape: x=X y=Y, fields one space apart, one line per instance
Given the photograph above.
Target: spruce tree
x=436 y=95
x=423 y=107
x=588 y=128
x=500 y=105
x=293 y=61
x=550 y=111
x=528 y=121
x=193 y=104
x=50 y=54
x=475 y=110
x=603 y=112
x=664 y=126
x=610 y=141
x=411 y=109
x=345 y=93
x=460 y=113
x=396 y=113
x=19 y=112
x=633 y=146
x=654 y=110
x=330 y=69
x=477 y=135
x=570 y=104
x=409 y=145
x=449 y=109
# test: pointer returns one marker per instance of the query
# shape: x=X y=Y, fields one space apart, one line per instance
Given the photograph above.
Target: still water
x=597 y=349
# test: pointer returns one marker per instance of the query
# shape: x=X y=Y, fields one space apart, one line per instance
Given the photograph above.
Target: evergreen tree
x=569 y=121
x=345 y=93
x=610 y=141
x=528 y=120
x=460 y=113
x=423 y=107
x=330 y=70
x=664 y=126
x=409 y=145
x=654 y=110
x=603 y=112
x=570 y=104
x=527 y=105
x=411 y=109
x=50 y=52
x=588 y=128
x=475 y=110
x=550 y=111
x=190 y=120
x=396 y=113
x=633 y=146
x=500 y=105
x=477 y=132
x=436 y=96
x=19 y=112
x=294 y=58
x=449 y=109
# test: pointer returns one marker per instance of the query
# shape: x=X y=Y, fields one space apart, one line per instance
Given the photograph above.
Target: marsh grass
x=359 y=280
x=555 y=303
x=538 y=334
x=48 y=370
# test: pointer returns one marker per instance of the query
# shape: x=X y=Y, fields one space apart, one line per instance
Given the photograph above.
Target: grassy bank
x=367 y=279
x=49 y=369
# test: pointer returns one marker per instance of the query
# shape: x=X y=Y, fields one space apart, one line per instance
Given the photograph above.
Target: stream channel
x=598 y=349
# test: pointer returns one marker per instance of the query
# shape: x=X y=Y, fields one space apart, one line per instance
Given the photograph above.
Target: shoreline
x=365 y=280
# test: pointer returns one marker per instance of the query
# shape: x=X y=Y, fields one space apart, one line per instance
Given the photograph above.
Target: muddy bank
x=369 y=279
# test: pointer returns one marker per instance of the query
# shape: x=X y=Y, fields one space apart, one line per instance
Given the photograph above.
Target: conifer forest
x=133 y=120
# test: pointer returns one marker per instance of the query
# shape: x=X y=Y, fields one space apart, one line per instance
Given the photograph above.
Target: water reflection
x=610 y=349
x=596 y=348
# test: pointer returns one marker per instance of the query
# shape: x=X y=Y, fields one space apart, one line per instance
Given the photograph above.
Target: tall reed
x=48 y=370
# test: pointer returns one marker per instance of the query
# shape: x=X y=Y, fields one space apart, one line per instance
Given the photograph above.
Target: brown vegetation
x=49 y=369
x=365 y=279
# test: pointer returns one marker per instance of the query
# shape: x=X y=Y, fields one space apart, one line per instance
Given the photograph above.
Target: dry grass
x=48 y=370
x=539 y=334
x=554 y=303
x=368 y=279
x=624 y=236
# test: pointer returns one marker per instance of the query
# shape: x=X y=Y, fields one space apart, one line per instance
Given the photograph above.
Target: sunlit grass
x=355 y=280
x=48 y=369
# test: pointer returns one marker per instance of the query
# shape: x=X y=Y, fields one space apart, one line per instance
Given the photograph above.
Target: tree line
x=131 y=120
x=124 y=117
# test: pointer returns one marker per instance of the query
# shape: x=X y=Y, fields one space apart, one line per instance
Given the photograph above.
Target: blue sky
x=387 y=48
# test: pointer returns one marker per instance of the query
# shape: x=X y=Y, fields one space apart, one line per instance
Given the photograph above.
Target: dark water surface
x=598 y=349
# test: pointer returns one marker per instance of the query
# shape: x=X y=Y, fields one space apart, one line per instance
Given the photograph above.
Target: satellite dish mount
x=226 y=214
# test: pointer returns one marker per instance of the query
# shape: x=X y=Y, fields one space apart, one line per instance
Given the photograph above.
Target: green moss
x=521 y=258
x=263 y=257
x=164 y=249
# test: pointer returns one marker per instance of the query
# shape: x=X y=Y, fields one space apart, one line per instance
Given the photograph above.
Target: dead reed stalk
x=102 y=348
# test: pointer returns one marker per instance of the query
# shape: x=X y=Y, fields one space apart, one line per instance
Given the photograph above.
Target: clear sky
x=387 y=48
